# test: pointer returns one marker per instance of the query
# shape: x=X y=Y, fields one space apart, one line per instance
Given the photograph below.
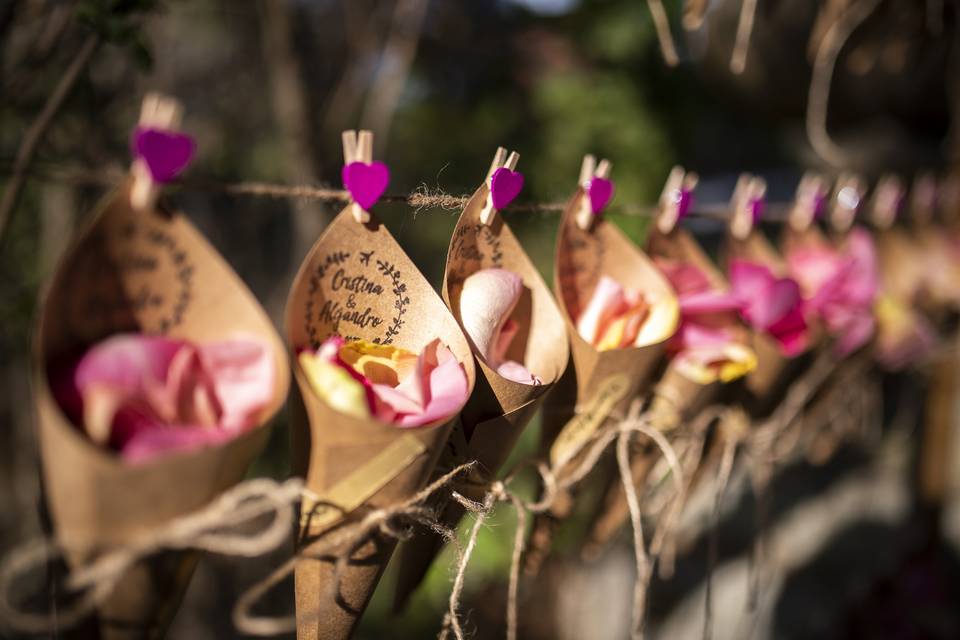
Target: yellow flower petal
x=892 y=315
x=379 y=363
x=740 y=361
x=725 y=363
x=335 y=385
x=661 y=322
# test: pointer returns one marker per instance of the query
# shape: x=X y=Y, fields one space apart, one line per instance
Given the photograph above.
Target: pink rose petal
x=839 y=288
x=604 y=304
x=518 y=373
x=131 y=385
x=437 y=389
x=710 y=302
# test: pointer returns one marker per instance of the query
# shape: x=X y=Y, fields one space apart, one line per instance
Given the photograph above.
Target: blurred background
x=267 y=87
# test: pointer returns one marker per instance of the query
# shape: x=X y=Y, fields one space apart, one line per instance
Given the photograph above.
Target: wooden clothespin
x=747 y=204
x=596 y=189
x=357 y=148
x=503 y=183
x=886 y=202
x=809 y=201
x=676 y=198
x=847 y=198
x=923 y=197
x=159 y=115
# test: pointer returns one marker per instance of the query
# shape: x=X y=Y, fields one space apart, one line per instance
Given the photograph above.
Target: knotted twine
x=244 y=503
x=620 y=431
x=203 y=530
x=255 y=498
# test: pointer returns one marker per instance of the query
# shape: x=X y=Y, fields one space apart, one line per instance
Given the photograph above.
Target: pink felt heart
x=600 y=191
x=505 y=185
x=166 y=153
x=366 y=182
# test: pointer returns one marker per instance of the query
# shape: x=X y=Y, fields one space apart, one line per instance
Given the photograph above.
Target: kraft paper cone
x=675 y=397
x=582 y=257
x=901 y=266
x=152 y=272
x=765 y=385
x=933 y=243
x=499 y=408
x=357 y=282
x=605 y=381
x=600 y=382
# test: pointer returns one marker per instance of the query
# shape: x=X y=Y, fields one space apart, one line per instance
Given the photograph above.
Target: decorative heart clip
x=887 y=201
x=810 y=201
x=847 y=199
x=504 y=183
x=597 y=189
x=747 y=204
x=160 y=152
x=365 y=179
x=676 y=199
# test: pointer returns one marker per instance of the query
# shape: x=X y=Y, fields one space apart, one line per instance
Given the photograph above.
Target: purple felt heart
x=756 y=209
x=366 y=182
x=600 y=191
x=684 y=200
x=505 y=185
x=166 y=153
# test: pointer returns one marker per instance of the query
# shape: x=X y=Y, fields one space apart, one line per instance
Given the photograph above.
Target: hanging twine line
x=422 y=198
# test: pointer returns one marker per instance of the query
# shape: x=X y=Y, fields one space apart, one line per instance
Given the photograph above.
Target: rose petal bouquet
x=147 y=412
x=708 y=346
x=487 y=302
x=382 y=371
x=146 y=396
x=387 y=383
x=618 y=317
x=770 y=304
x=518 y=339
x=839 y=286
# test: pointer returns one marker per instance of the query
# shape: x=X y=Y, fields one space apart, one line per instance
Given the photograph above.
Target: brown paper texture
x=151 y=272
x=357 y=282
x=499 y=408
x=582 y=256
x=540 y=343
x=902 y=273
x=675 y=397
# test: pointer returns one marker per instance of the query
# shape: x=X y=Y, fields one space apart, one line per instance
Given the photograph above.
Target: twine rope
x=818 y=99
x=203 y=530
x=206 y=529
x=422 y=198
x=620 y=430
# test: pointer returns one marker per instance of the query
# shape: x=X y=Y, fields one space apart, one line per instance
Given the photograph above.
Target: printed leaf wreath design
x=362 y=318
x=141 y=282
x=518 y=339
